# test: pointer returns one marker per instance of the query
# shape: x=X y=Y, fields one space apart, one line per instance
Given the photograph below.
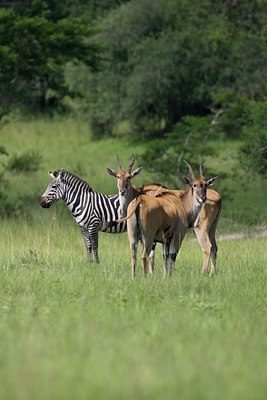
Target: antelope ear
x=136 y=172
x=187 y=181
x=112 y=172
x=211 y=181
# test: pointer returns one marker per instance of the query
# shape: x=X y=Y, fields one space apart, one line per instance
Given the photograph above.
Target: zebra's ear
x=61 y=173
x=53 y=174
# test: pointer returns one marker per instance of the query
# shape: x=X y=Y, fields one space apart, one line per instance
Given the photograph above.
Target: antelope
x=164 y=218
x=204 y=226
x=127 y=192
x=155 y=219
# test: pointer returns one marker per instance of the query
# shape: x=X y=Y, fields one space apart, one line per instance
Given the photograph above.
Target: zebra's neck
x=89 y=207
x=76 y=191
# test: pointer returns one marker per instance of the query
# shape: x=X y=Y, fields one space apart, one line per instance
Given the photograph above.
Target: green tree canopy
x=167 y=59
x=33 y=54
x=253 y=153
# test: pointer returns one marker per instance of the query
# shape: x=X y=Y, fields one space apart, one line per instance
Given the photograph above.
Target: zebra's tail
x=108 y=225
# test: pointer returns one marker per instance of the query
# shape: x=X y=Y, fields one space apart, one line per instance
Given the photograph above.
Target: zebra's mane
x=67 y=175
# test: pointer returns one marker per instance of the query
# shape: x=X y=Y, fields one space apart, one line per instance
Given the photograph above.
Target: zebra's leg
x=152 y=258
x=175 y=246
x=172 y=262
x=165 y=255
x=93 y=237
x=88 y=244
x=133 y=247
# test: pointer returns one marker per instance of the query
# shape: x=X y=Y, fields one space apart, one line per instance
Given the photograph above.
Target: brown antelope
x=164 y=218
x=204 y=226
x=127 y=192
x=160 y=219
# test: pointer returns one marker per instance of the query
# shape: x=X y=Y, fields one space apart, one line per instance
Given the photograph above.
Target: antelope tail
x=134 y=208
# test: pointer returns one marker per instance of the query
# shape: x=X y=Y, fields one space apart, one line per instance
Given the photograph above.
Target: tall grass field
x=74 y=330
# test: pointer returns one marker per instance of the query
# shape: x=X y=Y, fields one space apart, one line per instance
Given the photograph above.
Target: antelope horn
x=131 y=163
x=118 y=163
x=201 y=170
x=191 y=172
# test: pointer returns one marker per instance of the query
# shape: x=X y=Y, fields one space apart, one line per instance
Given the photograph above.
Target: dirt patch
x=256 y=233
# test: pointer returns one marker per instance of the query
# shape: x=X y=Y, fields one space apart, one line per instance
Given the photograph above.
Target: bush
x=253 y=153
x=26 y=162
x=188 y=141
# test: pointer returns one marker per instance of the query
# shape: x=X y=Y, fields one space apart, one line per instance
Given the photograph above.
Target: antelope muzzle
x=203 y=197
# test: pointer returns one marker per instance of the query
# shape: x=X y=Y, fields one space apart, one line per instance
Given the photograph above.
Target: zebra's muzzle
x=44 y=202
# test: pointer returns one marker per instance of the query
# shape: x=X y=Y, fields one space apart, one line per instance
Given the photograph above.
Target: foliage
x=27 y=162
x=253 y=154
x=188 y=141
x=234 y=116
x=34 y=50
x=167 y=59
x=3 y=151
x=230 y=110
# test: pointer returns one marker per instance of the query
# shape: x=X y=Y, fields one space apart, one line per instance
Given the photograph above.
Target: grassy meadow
x=70 y=330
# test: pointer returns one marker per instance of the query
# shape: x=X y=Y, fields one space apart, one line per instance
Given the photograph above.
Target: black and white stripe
x=91 y=210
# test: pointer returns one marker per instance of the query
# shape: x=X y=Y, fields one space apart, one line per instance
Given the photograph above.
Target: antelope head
x=124 y=177
x=198 y=185
x=124 y=183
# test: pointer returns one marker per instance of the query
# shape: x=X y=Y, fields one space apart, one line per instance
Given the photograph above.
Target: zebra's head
x=55 y=189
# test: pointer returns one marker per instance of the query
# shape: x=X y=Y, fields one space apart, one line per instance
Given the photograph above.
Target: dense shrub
x=27 y=162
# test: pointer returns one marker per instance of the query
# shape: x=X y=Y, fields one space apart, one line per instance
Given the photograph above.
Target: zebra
x=90 y=209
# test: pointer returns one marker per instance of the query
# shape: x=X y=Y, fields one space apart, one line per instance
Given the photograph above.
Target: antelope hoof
x=204 y=271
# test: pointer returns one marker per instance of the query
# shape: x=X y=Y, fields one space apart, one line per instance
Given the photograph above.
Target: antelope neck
x=192 y=207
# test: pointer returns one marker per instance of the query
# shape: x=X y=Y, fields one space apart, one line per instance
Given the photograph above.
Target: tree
x=33 y=54
x=253 y=153
x=167 y=59
x=187 y=141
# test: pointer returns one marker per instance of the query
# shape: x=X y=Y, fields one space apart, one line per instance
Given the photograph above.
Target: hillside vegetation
x=67 y=143
x=166 y=79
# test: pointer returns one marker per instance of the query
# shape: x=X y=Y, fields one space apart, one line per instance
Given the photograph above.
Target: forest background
x=182 y=79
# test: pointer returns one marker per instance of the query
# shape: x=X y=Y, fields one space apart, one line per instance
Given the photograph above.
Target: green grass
x=65 y=144
x=72 y=330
